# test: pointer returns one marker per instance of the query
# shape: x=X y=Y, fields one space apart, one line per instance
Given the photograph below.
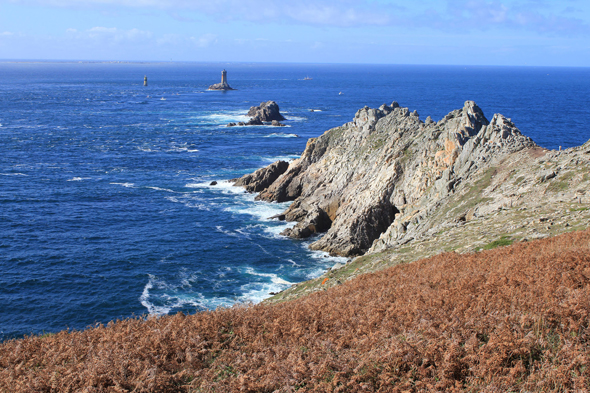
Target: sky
x=454 y=32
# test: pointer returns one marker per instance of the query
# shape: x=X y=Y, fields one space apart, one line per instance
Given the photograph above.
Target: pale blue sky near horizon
x=445 y=32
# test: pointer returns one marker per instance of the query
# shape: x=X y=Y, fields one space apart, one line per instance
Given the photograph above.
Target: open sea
x=106 y=207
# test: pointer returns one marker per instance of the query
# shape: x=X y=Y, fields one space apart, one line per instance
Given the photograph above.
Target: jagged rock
x=376 y=181
x=255 y=121
x=213 y=183
x=316 y=220
x=266 y=111
x=263 y=177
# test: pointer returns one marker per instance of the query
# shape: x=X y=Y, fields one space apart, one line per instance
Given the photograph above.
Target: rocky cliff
x=388 y=180
x=357 y=181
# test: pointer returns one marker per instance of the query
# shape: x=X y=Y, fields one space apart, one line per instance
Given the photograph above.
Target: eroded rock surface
x=263 y=177
x=266 y=112
x=388 y=180
x=363 y=176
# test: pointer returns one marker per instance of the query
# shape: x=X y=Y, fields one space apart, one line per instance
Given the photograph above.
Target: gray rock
x=263 y=177
x=266 y=112
x=337 y=266
x=379 y=180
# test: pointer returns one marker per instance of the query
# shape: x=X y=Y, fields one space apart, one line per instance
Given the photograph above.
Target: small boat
x=162 y=99
x=307 y=78
x=340 y=93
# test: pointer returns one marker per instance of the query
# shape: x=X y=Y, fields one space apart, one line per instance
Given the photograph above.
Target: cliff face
x=374 y=182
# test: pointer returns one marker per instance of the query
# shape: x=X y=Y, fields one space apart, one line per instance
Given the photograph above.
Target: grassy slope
x=509 y=319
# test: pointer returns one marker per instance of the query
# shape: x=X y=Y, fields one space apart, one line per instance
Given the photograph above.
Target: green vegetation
x=519 y=180
x=502 y=242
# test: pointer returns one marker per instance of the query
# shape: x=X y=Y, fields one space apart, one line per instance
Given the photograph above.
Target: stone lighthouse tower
x=223 y=85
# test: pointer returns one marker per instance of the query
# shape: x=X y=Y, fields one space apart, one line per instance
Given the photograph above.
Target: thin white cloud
x=325 y=13
x=205 y=40
x=539 y=16
x=109 y=35
x=535 y=16
x=178 y=40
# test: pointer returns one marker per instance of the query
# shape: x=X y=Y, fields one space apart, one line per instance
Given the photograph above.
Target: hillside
x=509 y=319
x=389 y=188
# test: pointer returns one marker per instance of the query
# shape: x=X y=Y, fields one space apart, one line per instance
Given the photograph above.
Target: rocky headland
x=267 y=113
x=392 y=188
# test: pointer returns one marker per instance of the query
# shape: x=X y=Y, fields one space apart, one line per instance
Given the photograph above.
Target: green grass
x=519 y=180
x=501 y=242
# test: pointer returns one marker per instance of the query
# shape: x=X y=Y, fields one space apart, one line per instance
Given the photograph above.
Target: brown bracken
x=510 y=319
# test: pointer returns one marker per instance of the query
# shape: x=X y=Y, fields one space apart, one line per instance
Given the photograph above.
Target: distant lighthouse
x=223 y=85
x=145 y=80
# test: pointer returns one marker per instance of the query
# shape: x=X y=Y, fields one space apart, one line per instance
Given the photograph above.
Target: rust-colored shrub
x=509 y=319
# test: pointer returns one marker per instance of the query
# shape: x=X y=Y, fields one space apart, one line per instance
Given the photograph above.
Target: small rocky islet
x=388 y=188
x=267 y=113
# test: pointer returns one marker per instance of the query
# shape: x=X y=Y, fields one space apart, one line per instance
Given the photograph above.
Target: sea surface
x=106 y=207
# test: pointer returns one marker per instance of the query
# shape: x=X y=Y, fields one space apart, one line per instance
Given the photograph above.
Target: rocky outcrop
x=221 y=86
x=262 y=178
x=376 y=180
x=265 y=113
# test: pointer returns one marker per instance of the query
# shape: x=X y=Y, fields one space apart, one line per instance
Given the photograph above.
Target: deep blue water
x=105 y=205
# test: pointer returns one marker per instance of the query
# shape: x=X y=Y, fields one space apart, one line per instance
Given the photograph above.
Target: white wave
x=295 y=264
x=145 y=296
x=281 y=158
x=296 y=118
x=281 y=135
x=226 y=232
x=174 y=299
x=260 y=210
x=323 y=259
x=315 y=110
x=190 y=201
x=145 y=149
x=128 y=185
x=226 y=117
x=273 y=277
x=256 y=292
x=200 y=206
x=183 y=148
x=160 y=189
x=78 y=178
x=275 y=230
x=225 y=186
x=13 y=174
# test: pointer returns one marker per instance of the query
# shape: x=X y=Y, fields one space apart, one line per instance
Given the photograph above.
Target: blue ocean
x=106 y=205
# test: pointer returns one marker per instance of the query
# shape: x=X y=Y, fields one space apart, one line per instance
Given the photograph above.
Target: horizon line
x=82 y=61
